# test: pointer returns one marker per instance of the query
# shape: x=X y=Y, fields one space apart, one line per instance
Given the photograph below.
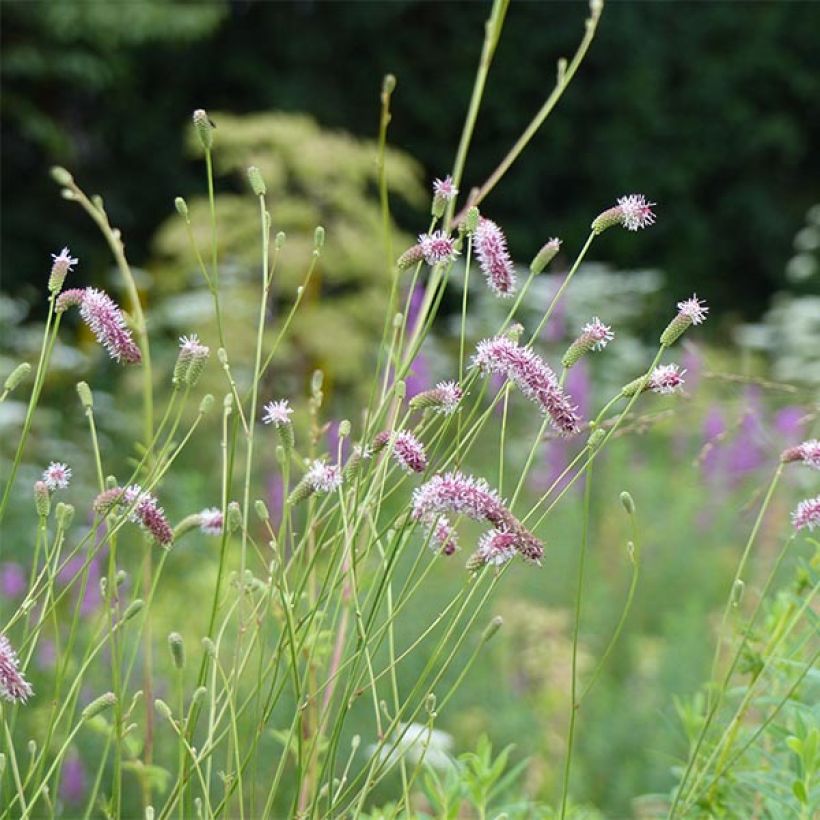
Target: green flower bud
x=16 y=376
x=98 y=705
x=545 y=256
x=61 y=176
x=204 y=128
x=177 y=649
x=42 y=499
x=86 y=396
x=182 y=207
x=257 y=183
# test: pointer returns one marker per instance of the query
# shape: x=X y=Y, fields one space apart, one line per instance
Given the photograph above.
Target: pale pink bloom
x=598 y=333
x=277 y=413
x=13 y=686
x=694 y=310
x=666 y=378
x=105 y=320
x=493 y=258
x=807 y=514
x=60 y=268
x=808 y=452
x=496 y=547
x=211 y=521
x=444 y=398
x=445 y=189
x=443 y=537
x=191 y=347
x=437 y=247
x=636 y=212
x=56 y=476
x=409 y=452
x=532 y=375
x=322 y=477
x=148 y=514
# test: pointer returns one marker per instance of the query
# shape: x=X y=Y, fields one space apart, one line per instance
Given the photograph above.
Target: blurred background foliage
x=711 y=109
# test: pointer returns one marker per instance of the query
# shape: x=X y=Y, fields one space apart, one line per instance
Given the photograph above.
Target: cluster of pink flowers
x=493 y=257
x=807 y=514
x=13 y=686
x=808 y=453
x=457 y=493
x=322 y=477
x=105 y=320
x=666 y=378
x=211 y=521
x=407 y=451
x=496 y=547
x=277 y=413
x=444 y=398
x=632 y=212
x=143 y=509
x=532 y=375
x=437 y=247
x=56 y=476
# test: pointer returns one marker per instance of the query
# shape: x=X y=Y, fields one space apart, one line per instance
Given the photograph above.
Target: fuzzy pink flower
x=277 y=413
x=444 y=398
x=60 y=268
x=493 y=258
x=322 y=477
x=496 y=547
x=211 y=521
x=666 y=378
x=409 y=452
x=600 y=335
x=808 y=452
x=443 y=537
x=693 y=309
x=636 y=212
x=532 y=375
x=807 y=514
x=56 y=476
x=445 y=189
x=146 y=512
x=437 y=247
x=13 y=686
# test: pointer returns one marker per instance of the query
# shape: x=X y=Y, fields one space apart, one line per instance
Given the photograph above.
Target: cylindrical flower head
x=545 y=256
x=632 y=212
x=257 y=183
x=666 y=378
x=495 y=547
x=807 y=514
x=56 y=476
x=407 y=451
x=444 y=191
x=412 y=256
x=595 y=335
x=13 y=686
x=808 y=453
x=493 y=258
x=437 y=247
x=190 y=361
x=690 y=312
x=444 y=398
x=60 y=267
x=98 y=705
x=16 y=376
x=211 y=521
x=204 y=128
x=42 y=499
x=69 y=298
x=532 y=375
x=176 y=647
x=143 y=510
x=107 y=323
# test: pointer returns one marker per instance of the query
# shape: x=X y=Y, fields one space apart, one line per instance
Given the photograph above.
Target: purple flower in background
x=746 y=454
x=69 y=575
x=46 y=654
x=418 y=377
x=692 y=363
x=789 y=423
x=13 y=581
x=276 y=497
x=713 y=428
x=74 y=784
x=556 y=328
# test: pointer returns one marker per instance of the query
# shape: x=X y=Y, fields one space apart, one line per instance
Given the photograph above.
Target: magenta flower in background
x=13 y=581
x=418 y=376
x=746 y=452
x=276 y=497
x=69 y=576
x=790 y=422
x=692 y=362
x=493 y=258
x=74 y=783
x=46 y=654
x=556 y=328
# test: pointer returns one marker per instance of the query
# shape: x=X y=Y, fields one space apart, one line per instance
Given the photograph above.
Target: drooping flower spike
x=632 y=212
x=532 y=375
x=493 y=258
x=808 y=453
x=13 y=686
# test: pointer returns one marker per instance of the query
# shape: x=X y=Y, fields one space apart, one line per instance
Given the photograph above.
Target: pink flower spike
x=437 y=247
x=13 y=686
x=322 y=477
x=146 y=512
x=445 y=189
x=443 y=538
x=107 y=323
x=60 y=268
x=807 y=514
x=636 y=212
x=694 y=310
x=599 y=334
x=277 y=413
x=496 y=547
x=211 y=521
x=444 y=398
x=493 y=258
x=666 y=378
x=56 y=476
x=409 y=452
x=808 y=452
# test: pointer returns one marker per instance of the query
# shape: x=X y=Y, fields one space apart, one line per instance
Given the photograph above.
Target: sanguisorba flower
x=56 y=476
x=190 y=360
x=444 y=398
x=532 y=375
x=495 y=547
x=143 y=509
x=664 y=379
x=323 y=477
x=277 y=413
x=60 y=268
x=494 y=258
x=437 y=247
x=690 y=312
x=545 y=255
x=632 y=212
x=444 y=191
x=105 y=320
x=808 y=453
x=211 y=521
x=807 y=514
x=407 y=451
x=595 y=335
x=13 y=686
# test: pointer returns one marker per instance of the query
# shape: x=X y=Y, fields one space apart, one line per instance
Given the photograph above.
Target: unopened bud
x=42 y=499
x=177 y=649
x=344 y=428
x=204 y=128
x=209 y=646
x=471 y=222
x=545 y=256
x=16 y=376
x=492 y=628
x=182 y=207
x=234 y=516
x=628 y=502
x=98 y=705
x=133 y=609
x=410 y=257
x=206 y=404
x=319 y=237
x=85 y=394
x=400 y=389
x=279 y=240
x=64 y=514
x=261 y=510
x=61 y=176
x=257 y=183
x=164 y=709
